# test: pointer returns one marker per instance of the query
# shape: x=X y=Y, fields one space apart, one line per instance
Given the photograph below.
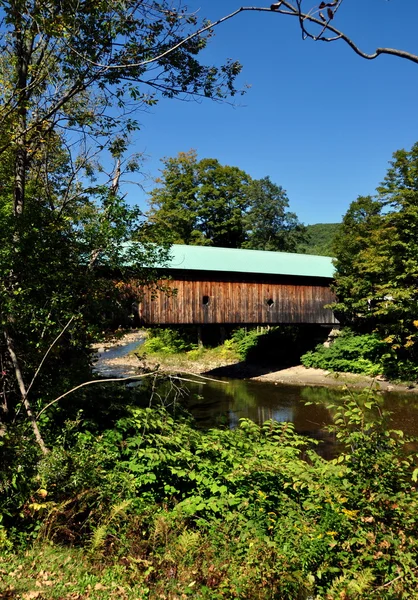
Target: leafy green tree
x=201 y=202
x=206 y=203
x=87 y=66
x=355 y=280
x=269 y=226
x=377 y=261
x=72 y=78
x=174 y=203
x=222 y=199
x=53 y=297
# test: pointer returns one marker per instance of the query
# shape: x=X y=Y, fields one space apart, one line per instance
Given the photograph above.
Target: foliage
x=90 y=66
x=168 y=341
x=73 y=80
x=178 y=347
x=182 y=340
x=202 y=202
x=349 y=353
x=376 y=267
x=320 y=239
x=244 y=340
x=268 y=225
x=162 y=509
x=356 y=274
x=279 y=345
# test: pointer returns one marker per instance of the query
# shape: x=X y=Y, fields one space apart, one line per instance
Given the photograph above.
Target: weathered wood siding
x=230 y=298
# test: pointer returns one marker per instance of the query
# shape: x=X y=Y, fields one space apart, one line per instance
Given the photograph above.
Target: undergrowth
x=153 y=508
x=350 y=353
x=367 y=354
x=280 y=345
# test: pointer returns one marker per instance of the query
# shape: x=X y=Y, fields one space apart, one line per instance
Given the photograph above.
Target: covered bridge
x=229 y=286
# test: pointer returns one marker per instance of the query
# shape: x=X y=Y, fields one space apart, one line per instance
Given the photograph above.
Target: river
x=224 y=402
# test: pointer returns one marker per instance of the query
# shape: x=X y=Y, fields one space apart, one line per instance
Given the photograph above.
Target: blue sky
x=319 y=120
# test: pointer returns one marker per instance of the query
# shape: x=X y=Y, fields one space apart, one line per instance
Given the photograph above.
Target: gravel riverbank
x=116 y=359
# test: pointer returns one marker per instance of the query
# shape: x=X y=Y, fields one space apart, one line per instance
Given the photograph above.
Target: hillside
x=320 y=239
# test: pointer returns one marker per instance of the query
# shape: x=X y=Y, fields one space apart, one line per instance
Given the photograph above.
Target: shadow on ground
x=243 y=370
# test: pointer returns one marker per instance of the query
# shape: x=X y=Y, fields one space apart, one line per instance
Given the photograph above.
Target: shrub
x=249 y=513
x=168 y=341
x=244 y=341
x=349 y=353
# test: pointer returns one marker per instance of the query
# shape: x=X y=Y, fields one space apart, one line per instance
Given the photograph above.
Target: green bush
x=249 y=513
x=349 y=353
x=244 y=341
x=168 y=341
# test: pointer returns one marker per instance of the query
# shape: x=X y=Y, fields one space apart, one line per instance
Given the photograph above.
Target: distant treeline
x=320 y=239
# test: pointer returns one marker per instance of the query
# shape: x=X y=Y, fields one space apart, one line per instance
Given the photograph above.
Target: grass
x=50 y=573
x=210 y=357
x=179 y=563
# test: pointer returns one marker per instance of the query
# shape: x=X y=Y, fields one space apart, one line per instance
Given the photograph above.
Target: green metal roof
x=208 y=258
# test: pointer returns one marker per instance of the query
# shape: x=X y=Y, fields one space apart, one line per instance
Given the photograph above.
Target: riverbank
x=114 y=361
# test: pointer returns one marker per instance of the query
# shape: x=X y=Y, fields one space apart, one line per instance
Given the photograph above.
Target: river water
x=224 y=402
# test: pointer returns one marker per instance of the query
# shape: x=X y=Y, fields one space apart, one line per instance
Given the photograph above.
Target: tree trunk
x=23 y=393
x=199 y=337
x=23 y=51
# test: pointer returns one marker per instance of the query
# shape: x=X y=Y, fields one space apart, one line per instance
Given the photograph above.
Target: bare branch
x=123 y=379
x=92 y=382
x=339 y=35
x=47 y=352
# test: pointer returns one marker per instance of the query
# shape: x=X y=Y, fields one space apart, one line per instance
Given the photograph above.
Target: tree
x=86 y=66
x=201 y=202
x=206 y=203
x=268 y=225
x=377 y=260
x=174 y=203
x=72 y=77
x=354 y=279
x=223 y=199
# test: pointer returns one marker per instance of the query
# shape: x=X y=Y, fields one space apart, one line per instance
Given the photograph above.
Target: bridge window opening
x=205 y=300
x=270 y=302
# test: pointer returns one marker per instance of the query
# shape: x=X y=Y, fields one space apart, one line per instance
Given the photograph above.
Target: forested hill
x=320 y=239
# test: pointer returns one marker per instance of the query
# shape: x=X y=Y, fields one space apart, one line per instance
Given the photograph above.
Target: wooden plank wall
x=204 y=298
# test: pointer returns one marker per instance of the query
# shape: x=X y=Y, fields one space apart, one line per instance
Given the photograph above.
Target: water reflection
x=223 y=404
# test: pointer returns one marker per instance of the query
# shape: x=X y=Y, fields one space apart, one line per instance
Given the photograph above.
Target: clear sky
x=319 y=120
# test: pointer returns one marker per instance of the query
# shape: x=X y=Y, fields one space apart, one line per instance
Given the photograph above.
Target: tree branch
x=47 y=352
x=276 y=8
x=338 y=35
x=121 y=380
x=176 y=46
x=92 y=382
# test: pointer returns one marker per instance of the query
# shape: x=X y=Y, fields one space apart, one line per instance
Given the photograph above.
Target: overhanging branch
x=281 y=8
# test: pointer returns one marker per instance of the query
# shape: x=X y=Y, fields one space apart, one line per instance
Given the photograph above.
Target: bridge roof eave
x=208 y=258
